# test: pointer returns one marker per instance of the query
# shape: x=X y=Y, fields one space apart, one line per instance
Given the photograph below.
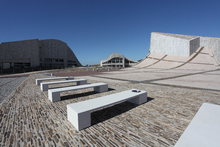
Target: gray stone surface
x=8 y=85
x=20 y=51
x=173 y=45
x=213 y=44
x=52 y=48
x=194 y=44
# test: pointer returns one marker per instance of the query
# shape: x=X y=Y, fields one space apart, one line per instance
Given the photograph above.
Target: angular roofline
x=18 y=41
x=115 y=55
x=187 y=37
x=183 y=36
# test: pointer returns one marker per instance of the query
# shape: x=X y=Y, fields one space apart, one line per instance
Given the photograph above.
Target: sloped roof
x=116 y=55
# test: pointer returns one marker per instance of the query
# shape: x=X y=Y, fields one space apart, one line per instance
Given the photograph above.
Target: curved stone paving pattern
x=8 y=85
x=28 y=118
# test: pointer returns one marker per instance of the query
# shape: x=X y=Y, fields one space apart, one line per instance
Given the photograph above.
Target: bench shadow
x=78 y=95
x=149 y=99
x=110 y=112
x=110 y=89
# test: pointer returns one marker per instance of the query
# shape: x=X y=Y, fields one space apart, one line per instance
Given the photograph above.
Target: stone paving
x=8 y=85
x=28 y=118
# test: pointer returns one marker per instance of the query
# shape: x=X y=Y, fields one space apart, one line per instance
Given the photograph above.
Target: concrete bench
x=54 y=94
x=203 y=131
x=79 y=114
x=44 y=85
x=48 y=74
x=38 y=81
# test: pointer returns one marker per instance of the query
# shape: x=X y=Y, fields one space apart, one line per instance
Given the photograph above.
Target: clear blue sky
x=94 y=29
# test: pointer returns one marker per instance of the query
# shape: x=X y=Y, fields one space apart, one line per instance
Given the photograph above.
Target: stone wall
x=213 y=44
x=53 y=49
x=57 y=49
x=170 y=45
x=183 y=45
x=194 y=44
x=36 y=53
x=20 y=51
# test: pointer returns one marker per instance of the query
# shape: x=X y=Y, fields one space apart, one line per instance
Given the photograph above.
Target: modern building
x=183 y=45
x=173 y=44
x=35 y=55
x=117 y=60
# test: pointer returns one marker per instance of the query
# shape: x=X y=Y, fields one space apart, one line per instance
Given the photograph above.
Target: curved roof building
x=36 y=54
x=117 y=60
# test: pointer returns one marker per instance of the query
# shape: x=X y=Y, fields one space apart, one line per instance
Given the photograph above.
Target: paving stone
x=28 y=118
x=8 y=85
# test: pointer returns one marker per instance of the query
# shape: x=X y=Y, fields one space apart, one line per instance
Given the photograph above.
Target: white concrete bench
x=44 y=85
x=204 y=129
x=54 y=94
x=38 y=81
x=79 y=114
x=48 y=74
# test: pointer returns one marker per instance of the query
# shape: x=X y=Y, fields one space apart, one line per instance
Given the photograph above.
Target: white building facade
x=117 y=60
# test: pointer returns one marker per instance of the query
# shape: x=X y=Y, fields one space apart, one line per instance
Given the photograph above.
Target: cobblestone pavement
x=7 y=85
x=28 y=118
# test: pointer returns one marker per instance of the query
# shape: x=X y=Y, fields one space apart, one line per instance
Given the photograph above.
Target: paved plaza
x=28 y=118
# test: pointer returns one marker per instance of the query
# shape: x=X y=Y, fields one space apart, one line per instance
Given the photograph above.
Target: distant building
x=117 y=60
x=36 y=54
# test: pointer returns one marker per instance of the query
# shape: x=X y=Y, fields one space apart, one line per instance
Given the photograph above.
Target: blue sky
x=94 y=29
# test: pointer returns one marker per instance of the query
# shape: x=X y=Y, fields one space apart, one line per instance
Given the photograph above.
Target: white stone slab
x=48 y=74
x=38 y=81
x=79 y=114
x=54 y=94
x=44 y=85
x=204 y=129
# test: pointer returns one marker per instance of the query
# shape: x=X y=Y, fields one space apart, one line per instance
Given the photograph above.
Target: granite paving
x=8 y=85
x=28 y=118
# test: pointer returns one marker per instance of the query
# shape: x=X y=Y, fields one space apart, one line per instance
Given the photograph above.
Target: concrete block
x=54 y=96
x=203 y=131
x=79 y=114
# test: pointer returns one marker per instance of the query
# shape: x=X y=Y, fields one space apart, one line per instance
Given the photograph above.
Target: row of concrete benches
x=79 y=114
x=203 y=131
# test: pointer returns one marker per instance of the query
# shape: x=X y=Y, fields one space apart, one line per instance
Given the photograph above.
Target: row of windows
x=118 y=60
x=14 y=65
x=57 y=60
x=71 y=63
x=52 y=60
x=126 y=61
x=115 y=60
x=112 y=65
